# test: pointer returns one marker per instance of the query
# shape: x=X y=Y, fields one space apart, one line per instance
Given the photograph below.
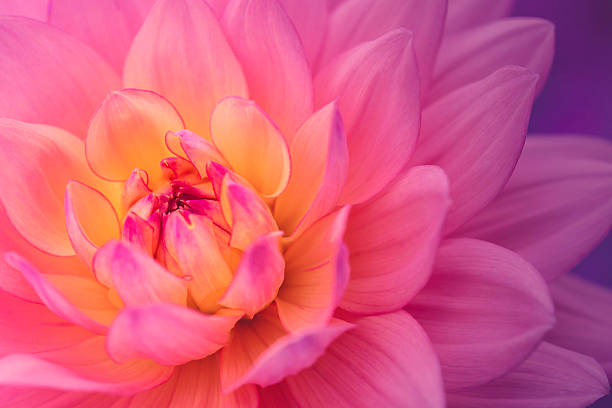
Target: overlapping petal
x=463 y=14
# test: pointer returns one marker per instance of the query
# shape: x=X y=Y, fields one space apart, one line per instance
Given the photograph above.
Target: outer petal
x=36 y=9
x=583 y=319
x=550 y=377
x=128 y=131
x=464 y=14
x=106 y=26
x=181 y=53
x=376 y=74
x=168 y=334
x=557 y=205
x=485 y=309
x=48 y=398
x=386 y=361
x=261 y=352
x=187 y=239
x=357 y=21
x=310 y=20
x=476 y=135
x=273 y=60
x=136 y=277
x=40 y=159
x=393 y=239
x=91 y=220
x=476 y=53
x=316 y=274
x=79 y=300
x=31 y=53
x=251 y=144
x=319 y=165
x=258 y=277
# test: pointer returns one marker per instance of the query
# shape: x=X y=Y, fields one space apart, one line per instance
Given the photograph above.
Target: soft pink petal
x=168 y=334
x=358 y=21
x=53 y=298
x=181 y=53
x=36 y=9
x=550 y=377
x=49 y=398
x=106 y=26
x=319 y=165
x=128 y=131
x=379 y=73
x=198 y=150
x=583 y=319
x=134 y=188
x=476 y=135
x=484 y=309
x=49 y=77
x=310 y=21
x=476 y=53
x=316 y=274
x=273 y=59
x=136 y=277
x=258 y=277
x=141 y=233
x=557 y=205
x=91 y=220
x=462 y=14
x=385 y=361
x=245 y=212
x=251 y=144
x=261 y=352
x=186 y=239
x=392 y=240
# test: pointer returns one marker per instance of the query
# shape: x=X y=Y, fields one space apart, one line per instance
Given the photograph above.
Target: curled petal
x=135 y=188
x=128 y=132
x=167 y=334
x=162 y=59
x=377 y=73
x=141 y=233
x=273 y=59
x=251 y=144
x=198 y=150
x=485 y=309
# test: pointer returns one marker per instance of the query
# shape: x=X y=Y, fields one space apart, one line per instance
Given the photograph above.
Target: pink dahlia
x=289 y=203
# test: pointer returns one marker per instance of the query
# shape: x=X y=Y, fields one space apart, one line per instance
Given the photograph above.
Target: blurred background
x=578 y=95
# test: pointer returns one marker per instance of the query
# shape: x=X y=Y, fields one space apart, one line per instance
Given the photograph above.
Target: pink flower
x=292 y=203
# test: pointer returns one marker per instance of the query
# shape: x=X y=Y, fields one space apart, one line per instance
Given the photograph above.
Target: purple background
x=578 y=95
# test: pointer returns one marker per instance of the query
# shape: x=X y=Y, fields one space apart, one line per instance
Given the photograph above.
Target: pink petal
x=186 y=239
x=550 y=377
x=251 y=144
x=30 y=54
x=476 y=135
x=181 y=53
x=91 y=220
x=83 y=367
x=140 y=232
x=484 y=309
x=393 y=239
x=463 y=14
x=33 y=195
x=476 y=53
x=136 y=277
x=258 y=277
x=310 y=20
x=273 y=60
x=48 y=398
x=384 y=361
x=556 y=207
x=57 y=301
x=375 y=74
x=245 y=212
x=106 y=26
x=316 y=274
x=35 y=9
x=358 y=21
x=167 y=334
x=135 y=188
x=198 y=150
x=196 y=384
x=262 y=353
x=128 y=131
x=583 y=319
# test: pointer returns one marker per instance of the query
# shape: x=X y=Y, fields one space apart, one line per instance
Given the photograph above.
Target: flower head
x=287 y=203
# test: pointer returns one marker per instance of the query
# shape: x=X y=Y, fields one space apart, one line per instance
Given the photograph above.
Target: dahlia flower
x=240 y=203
